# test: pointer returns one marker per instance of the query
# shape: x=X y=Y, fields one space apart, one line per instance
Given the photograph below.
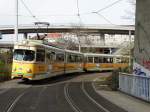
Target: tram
x=34 y=60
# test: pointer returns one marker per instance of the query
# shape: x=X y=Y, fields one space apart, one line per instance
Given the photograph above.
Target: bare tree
x=68 y=41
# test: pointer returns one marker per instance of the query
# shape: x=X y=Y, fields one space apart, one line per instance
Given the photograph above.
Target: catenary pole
x=16 y=21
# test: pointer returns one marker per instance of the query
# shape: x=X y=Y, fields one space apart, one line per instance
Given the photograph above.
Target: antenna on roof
x=42 y=24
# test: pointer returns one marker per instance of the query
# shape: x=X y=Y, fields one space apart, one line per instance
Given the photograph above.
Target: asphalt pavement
x=72 y=93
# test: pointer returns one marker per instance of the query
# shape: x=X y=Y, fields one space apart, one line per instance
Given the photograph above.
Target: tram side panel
x=56 y=61
x=74 y=62
x=90 y=64
x=122 y=62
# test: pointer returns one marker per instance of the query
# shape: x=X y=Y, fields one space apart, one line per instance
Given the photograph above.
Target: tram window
x=28 y=55
x=48 y=55
x=40 y=55
x=25 y=55
x=52 y=56
x=90 y=59
x=100 y=60
x=111 y=60
x=96 y=60
x=118 y=60
x=59 y=57
x=71 y=58
x=107 y=60
x=124 y=60
x=78 y=58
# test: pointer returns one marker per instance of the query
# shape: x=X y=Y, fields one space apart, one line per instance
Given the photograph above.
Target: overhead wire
x=78 y=11
x=28 y=9
x=104 y=8
x=38 y=22
x=110 y=5
x=104 y=18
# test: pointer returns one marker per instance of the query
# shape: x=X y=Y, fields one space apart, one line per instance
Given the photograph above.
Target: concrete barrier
x=138 y=86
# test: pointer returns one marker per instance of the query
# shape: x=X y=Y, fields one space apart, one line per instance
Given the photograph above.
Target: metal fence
x=138 y=86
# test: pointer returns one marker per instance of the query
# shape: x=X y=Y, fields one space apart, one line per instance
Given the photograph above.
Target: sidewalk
x=129 y=103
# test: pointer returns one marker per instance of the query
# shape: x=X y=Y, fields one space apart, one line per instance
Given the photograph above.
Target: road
x=72 y=93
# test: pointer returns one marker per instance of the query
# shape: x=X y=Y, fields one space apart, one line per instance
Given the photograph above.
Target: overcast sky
x=65 y=11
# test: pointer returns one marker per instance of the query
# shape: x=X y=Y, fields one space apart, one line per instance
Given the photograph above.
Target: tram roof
x=104 y=55
x=39 y=43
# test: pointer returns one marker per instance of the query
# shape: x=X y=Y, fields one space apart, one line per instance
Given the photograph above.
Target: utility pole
x=16 y=20
x=0 y=35
x=130 y=53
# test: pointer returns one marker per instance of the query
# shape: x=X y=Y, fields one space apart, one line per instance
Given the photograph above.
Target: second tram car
x=101 y=62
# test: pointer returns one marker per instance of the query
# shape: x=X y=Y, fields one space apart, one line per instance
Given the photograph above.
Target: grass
x=111 y=82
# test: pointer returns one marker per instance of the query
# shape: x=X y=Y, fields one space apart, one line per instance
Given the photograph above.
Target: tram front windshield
x=24 y=55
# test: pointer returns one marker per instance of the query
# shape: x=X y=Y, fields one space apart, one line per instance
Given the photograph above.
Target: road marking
x=94 y=101
x=69 y=99
x=14 y=103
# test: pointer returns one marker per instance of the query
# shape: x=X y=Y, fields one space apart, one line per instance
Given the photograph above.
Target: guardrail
x=138 y=86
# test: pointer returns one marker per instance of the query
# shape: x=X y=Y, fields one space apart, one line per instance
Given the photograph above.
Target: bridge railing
x=138 y=86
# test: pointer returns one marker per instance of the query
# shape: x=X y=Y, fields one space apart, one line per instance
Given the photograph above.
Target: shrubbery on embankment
x=5 y=65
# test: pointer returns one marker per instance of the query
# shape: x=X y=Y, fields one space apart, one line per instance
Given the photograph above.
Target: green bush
x=5 y=65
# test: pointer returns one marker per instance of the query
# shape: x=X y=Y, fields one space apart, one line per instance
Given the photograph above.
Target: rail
x=138 y=86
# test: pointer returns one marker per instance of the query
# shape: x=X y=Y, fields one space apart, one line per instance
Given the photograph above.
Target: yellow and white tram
x=34 y=60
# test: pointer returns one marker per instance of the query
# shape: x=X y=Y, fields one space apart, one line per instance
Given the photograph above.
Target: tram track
x=9 y=98
x=69 y=99
x=14 y=102
x=94 y=101
x=111 y=107
x=82 y=97
x=78 y=100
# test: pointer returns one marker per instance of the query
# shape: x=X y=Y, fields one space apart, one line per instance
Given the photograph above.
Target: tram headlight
x=29 y=70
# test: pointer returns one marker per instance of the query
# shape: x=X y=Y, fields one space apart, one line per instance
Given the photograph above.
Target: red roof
x=54 y=35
